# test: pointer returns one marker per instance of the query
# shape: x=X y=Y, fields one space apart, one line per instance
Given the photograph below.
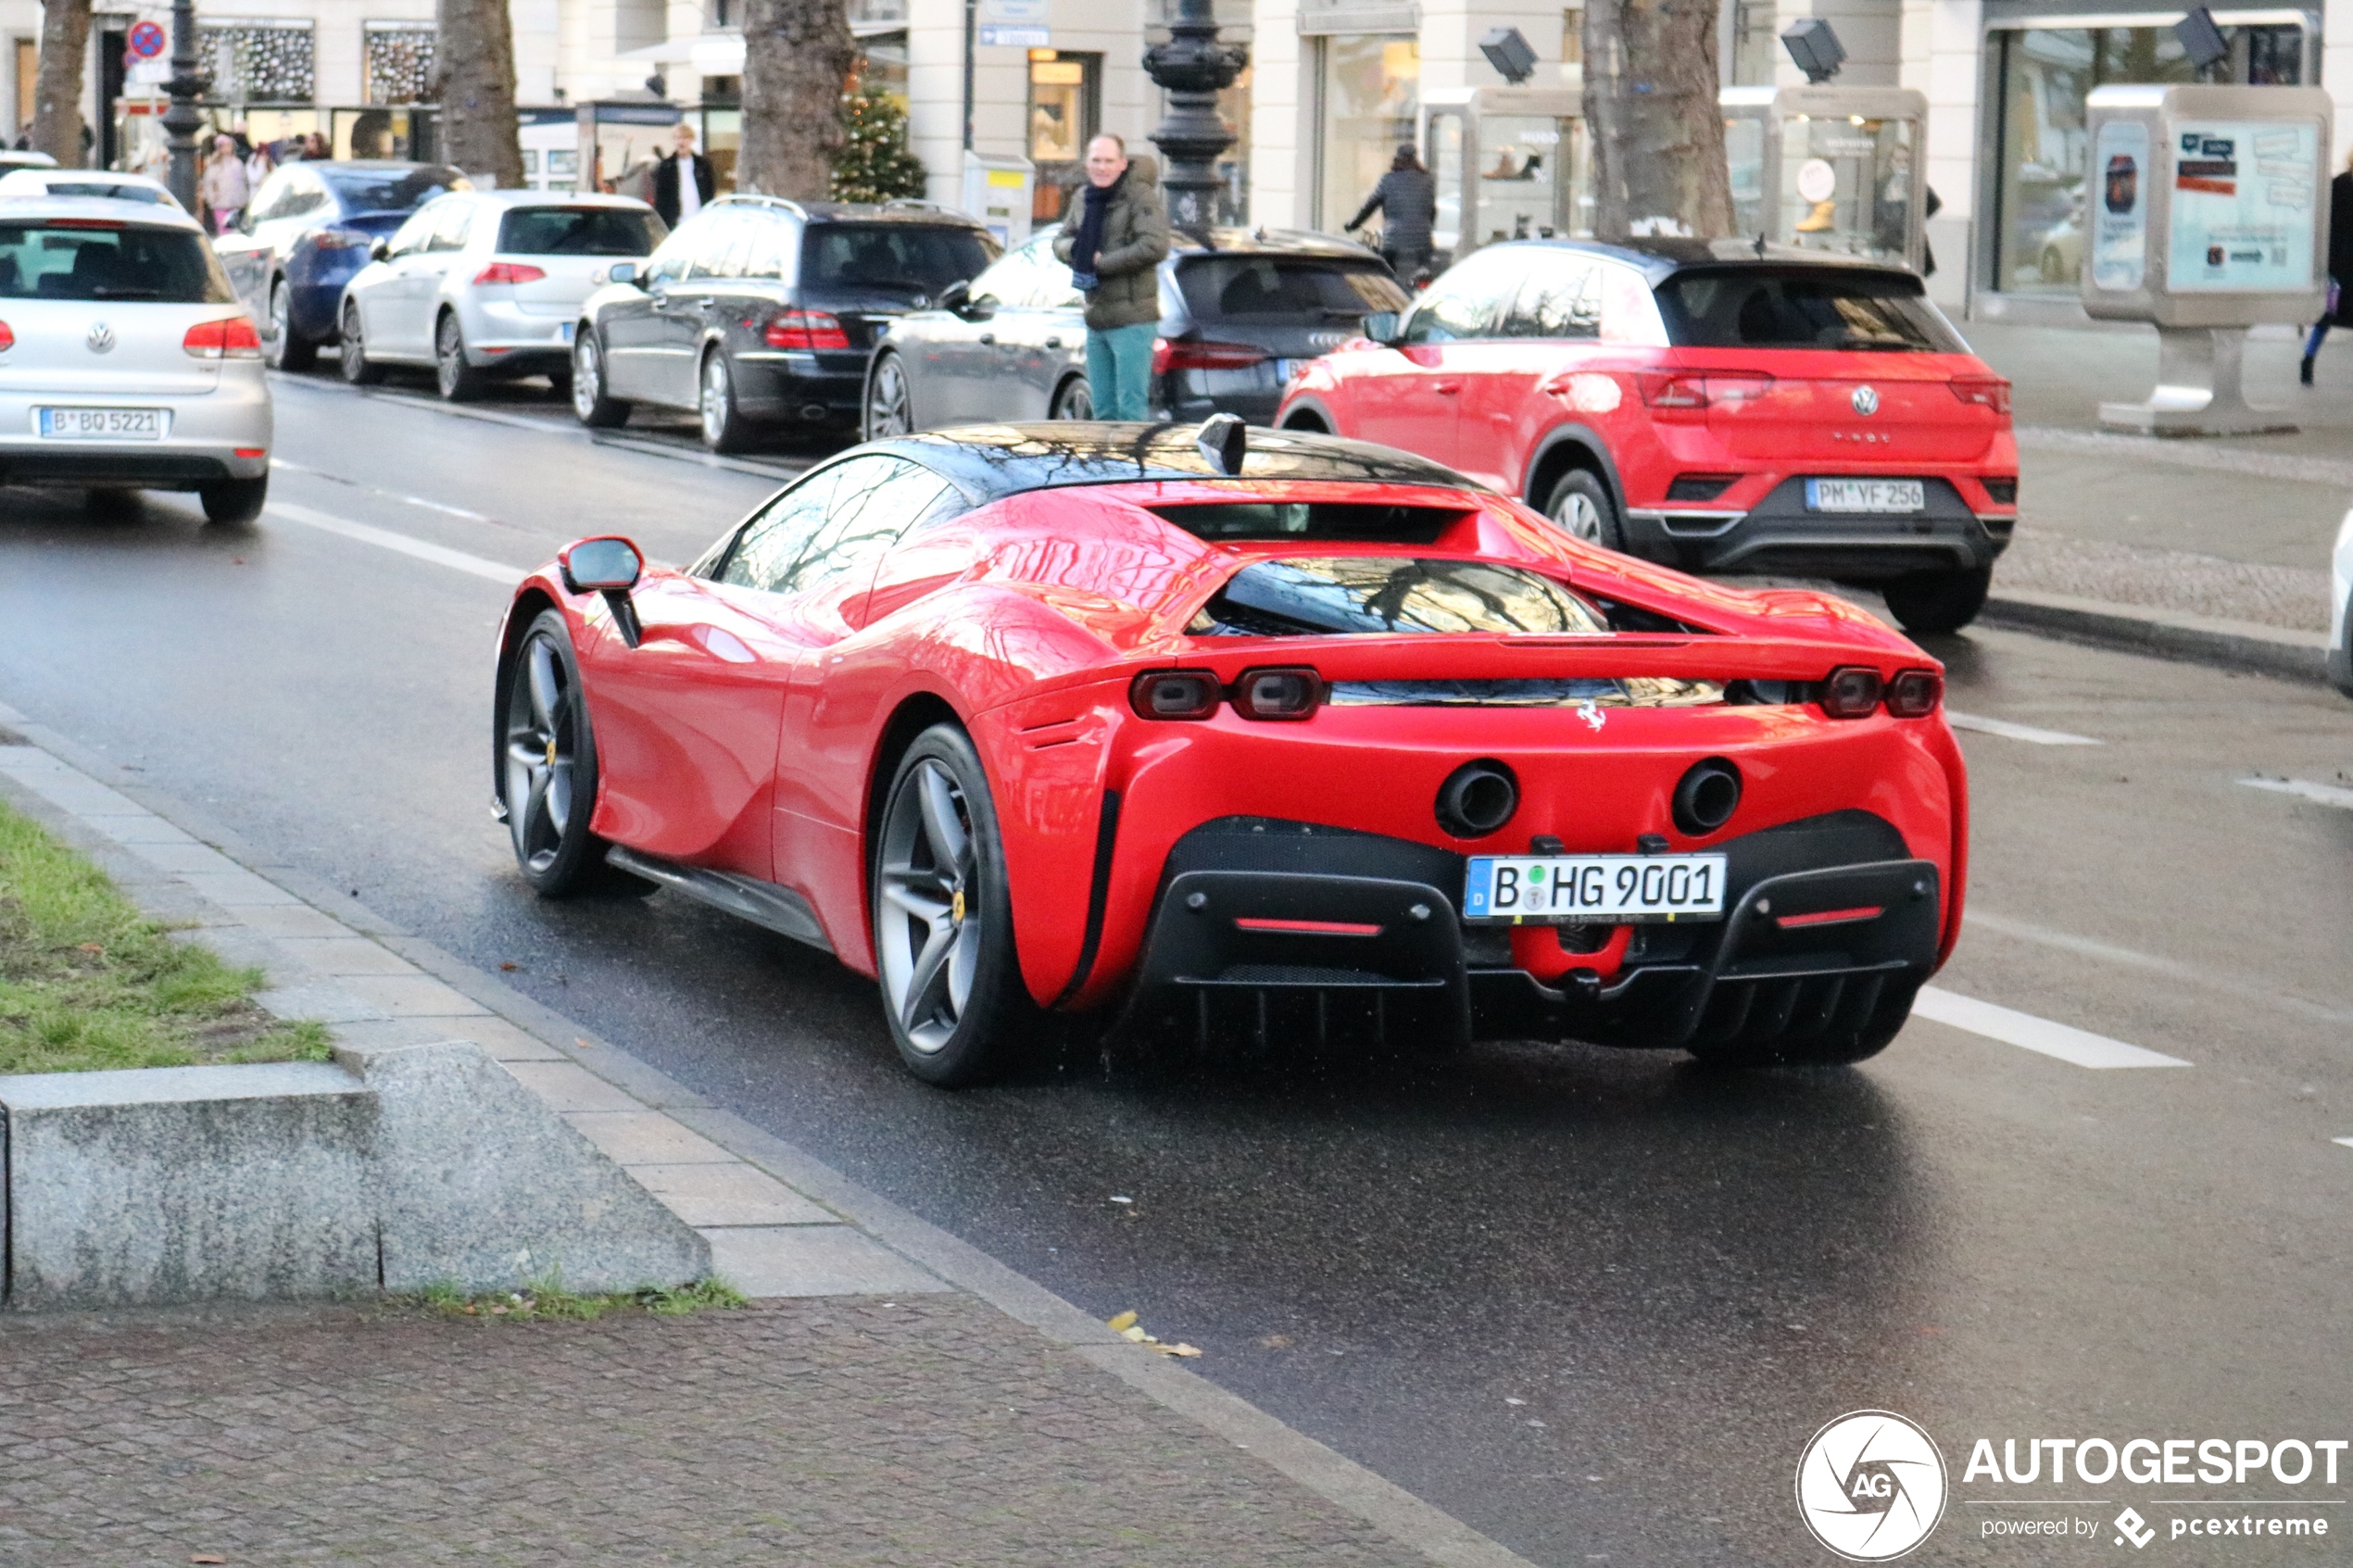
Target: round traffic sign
x=146 y=40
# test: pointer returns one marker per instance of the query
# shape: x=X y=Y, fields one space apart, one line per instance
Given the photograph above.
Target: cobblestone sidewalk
x=832 y=1432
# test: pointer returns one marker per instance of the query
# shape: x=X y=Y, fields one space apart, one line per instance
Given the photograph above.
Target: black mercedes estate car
x=759 y=311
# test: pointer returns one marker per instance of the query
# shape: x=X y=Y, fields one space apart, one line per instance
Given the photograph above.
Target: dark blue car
x=306 y=231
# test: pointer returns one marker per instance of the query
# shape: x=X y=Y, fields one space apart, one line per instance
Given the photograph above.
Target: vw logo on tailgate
x=1866 y=401
x=101 y=338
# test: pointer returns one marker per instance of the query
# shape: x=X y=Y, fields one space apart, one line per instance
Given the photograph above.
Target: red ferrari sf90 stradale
x=1243 y=731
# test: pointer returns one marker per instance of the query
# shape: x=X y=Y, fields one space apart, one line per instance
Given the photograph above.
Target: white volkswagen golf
x=125 y=360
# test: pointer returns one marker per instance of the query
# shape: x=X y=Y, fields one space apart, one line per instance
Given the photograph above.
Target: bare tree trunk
x=65 y=58
x=797 y=56
x=474 y=73
x=1651 y=108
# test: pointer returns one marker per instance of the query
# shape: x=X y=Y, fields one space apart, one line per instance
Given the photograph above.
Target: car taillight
x=509 y=273
x=1852 y=692
x=231 y=338
x=1180 y=353
x=806 y=328
x=1174 y=693
x=1988 y=391
x=343 y=239
x=1673 y=389
x=1914 y=694
x=7 y=338
x=1291 y=693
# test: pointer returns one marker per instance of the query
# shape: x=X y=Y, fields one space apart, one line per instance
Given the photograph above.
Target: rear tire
x=351 y=354
x=951 y=985
x=589 y=401
x=285 y=351
x=1073 y=400
x=457 y=381
x=1584 y=509
x=1307 y=423
x=1929 y=604
x=724 y=427
x=234 y=500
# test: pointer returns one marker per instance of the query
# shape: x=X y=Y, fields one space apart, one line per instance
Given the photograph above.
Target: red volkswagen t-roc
x=1702 y=405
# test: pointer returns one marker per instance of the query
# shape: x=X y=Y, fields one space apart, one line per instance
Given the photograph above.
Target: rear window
x=1755 y=307
x=1289 y=288
x=904 y=257
x=579 y=231
x=1318 y=596
x=107 y=189
x=392 y=190
x=1353 y=521
x=83 y=259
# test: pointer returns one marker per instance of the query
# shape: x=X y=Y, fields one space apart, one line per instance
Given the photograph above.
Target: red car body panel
x=750 y=731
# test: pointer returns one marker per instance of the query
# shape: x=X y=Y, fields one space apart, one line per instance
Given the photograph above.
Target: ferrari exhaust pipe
x=1706 y=796
x=1478 y=798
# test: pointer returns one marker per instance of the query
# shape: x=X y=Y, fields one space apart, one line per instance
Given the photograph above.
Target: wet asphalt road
x=1592 y=1303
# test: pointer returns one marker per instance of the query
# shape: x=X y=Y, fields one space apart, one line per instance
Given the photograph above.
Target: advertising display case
x=1829 y=167
x=1509 y=163
x=2209 y=215
x=998 y=192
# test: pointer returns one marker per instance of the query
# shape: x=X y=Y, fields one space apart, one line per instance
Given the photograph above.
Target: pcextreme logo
x=1870 y=1485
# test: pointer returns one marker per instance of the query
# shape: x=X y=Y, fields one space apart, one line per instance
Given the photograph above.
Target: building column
x=1943 y=43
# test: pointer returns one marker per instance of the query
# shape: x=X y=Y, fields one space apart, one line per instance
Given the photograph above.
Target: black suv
x=761 y=311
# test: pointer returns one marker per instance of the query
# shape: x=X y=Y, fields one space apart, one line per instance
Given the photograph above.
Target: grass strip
x=548 y=1301
x=87 y=982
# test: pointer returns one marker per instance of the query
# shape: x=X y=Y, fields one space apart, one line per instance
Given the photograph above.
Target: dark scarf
x=1090 y=225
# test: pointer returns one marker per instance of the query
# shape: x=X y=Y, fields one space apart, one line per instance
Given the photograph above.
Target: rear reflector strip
x=1830 y=917
x=1316 y=927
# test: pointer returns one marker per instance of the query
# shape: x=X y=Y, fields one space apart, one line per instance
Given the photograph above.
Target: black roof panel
x=988 y=462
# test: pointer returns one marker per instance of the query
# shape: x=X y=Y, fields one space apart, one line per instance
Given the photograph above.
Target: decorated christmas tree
x=874 y=164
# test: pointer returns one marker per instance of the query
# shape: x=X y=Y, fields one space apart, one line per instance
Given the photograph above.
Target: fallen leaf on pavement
x=1180 y=1348
x=1132 y=1332
x=1122 y=1323
x=1276 y=1342
x=505 y=965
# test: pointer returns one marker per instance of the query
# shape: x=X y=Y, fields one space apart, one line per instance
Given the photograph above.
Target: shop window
x=259 y=64
x=1755 y=43
x=399 y=62
x=1064 y=112
x=882 y=63
x=1368 y=104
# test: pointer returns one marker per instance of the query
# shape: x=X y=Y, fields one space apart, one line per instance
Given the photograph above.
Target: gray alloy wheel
x=1073 y=400
x=285 y=351
x=890 y=409
x=1582 y=505
x=588 y=400
x=457 y=380
x=723 y=426
x=549 y=762
x=351 y=354
x=952 y=987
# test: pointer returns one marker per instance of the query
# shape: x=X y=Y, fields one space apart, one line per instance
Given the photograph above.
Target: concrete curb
x=779 y=1220
x=2281 y=651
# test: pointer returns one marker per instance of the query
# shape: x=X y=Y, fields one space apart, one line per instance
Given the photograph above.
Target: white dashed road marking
x=2347 y=1142
x=2320 y=794
x=2024 y=1030
x=387 y=539
x=2008 y=731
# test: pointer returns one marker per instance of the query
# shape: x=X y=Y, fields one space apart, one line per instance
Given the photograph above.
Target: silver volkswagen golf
x=125 y=360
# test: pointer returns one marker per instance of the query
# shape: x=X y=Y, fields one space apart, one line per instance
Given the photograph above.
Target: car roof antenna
x=1224 y=441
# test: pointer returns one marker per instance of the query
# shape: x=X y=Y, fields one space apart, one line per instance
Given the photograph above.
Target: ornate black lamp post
x=1194 y=68
x=181 y=120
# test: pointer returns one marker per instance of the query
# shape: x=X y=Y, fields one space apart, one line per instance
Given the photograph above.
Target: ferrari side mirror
x=610 y=566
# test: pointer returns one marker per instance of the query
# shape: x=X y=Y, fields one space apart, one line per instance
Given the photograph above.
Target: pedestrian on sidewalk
x=1406 y=197
x=2338 y=312
x=224 y=190
x=1114 y=253
x=682 y=183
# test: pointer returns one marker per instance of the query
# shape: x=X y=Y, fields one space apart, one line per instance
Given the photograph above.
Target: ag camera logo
x=1870 y=1485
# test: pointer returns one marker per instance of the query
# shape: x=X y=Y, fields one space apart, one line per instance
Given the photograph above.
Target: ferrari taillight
x=1291 y=692
x=1986 y=392
x=1174 y=693
x=509 y=273
x=231 y=338
x=1851 y=692
x=806 y=328
x=1914 y=694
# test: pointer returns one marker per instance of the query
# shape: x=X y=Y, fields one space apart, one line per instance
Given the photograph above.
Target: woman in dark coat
x=1407 y=199
x=2339 y=312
